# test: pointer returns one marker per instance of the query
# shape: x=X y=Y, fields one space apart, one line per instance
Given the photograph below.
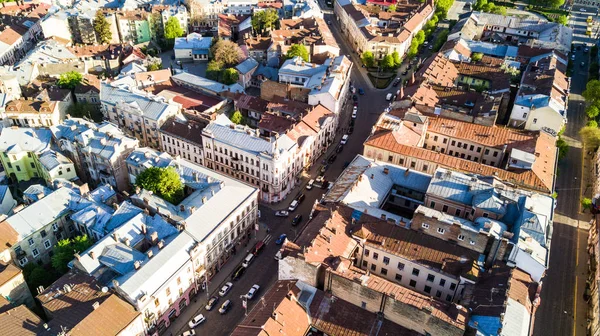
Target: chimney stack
x=92 y=255
x=136 y=264
x=161 y=244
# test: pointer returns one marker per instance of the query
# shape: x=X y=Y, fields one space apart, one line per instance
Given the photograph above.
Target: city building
x=32 y=113
x=134 y=26
x=138 y=114
x=204 y=14
x=181 y=136
x=193 y=47
x=14 y=319
x=98 y=151
x=525 y=159
x=179 y=12
x=204 y=85
x=88 y=91
x=380 y=31
x=7 y=202
x=22 y=30
x=13 y=286
x=27 y=154
x=234 y=27
x=245 y=71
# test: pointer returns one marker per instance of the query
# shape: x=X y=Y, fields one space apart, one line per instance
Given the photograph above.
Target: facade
x=88 y=92
x=134 y=26
x=82 y=29
x=181 y=136
x=32 y=113
x=27 y=154
x=204 y=14
x=23 y=30
x=136 y=113
x=246 y=70
x=178 y=12
x=13 y=286
x=193 y=47
x=7 y=202
x=98 y=151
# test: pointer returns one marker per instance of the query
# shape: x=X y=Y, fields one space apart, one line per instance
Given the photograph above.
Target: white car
x=252 y=292
x=309 y=186
x=572 y=57
x=293 y=205
x=282 y=213
x=225 y=289
x=196 y=321
x=344 y=139
x=189 y=333
x=354 y=114
x=583 y=10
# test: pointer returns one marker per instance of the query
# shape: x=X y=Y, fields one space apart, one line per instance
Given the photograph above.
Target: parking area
x=196 y=68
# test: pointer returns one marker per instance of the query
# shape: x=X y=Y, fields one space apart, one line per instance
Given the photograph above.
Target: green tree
x=592 y=111
x=368 y=59
x=586 y=203
x=413 y=50
x=227 y=53
x=563 y=20
x=298 y=50
x=397 y=59
x=442 y=7
x=476 y=57
x=392 y=8
x=592 y=92
x=155 y=66
x=213 y=70
x=264 y=20
x=237 y=118
x=229 y=76
x=387 y=62
x=420 y=37
x=70 y=80
x=173 y=29
x=165 y=182
x=36 y=275
x=66 y=248
x=102 y=28
x=590 y=137
x=563 y=147
x=592 y=123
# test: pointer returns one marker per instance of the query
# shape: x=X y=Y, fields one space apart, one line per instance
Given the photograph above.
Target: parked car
x=573 y=57
x=351 y=130
x=344 y=139
x=388 y=97
x=354 y=114
x=354 y=97
x=225 y=307
x=319 y=181
x=309 y=185
x=361 y=91
x=332 y=158
x=282 y=213
x=293 y=205
x=258 y=247
x=296 y=220
x=252 y=292
x=430 y=47
x=196 y=321
x=225 y=289
x=281 y=239
x=326 y=185
x=396 y=82
x=300 y=198
x=582 y=64
x=237 y=273
x=323 y=169
x=211 y=303
x=339 y=148
x=189 y=333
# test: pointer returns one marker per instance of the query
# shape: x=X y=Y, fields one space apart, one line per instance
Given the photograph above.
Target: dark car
x=238 y=272
x=212 y=303
x=354 y=97
x=258 y=247
x=296 y=220
x=332 y=158
x=323 y=169
x=351 y=129
x=351 y=122
x=281 y=239
x=396 y=82
x=361 y=91
x=300 y=198
x=325 y=184
x=356 y=103
x=339 y=148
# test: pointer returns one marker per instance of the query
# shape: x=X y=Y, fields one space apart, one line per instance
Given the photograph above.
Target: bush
x=592 y=123
x=586 y=203
x=476 y=57
x=563 y=148
x=165 y=182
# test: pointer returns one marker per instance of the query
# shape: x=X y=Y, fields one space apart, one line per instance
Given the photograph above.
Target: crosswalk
x=267 y=239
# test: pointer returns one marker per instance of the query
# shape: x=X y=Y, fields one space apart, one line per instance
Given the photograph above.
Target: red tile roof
x=20 y=321
x=110 y=318
x=439 y=70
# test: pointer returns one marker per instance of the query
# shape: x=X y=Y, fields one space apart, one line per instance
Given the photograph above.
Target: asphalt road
x=563 y=310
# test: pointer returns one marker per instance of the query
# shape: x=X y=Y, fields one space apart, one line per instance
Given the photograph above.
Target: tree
x=264 y=20
x=592 y=111
x=442 y=7
x=590 y=137
x=413 y=50
x=65 y=249
x=237 y=118
x=173 y=29
x=592 y=123
x=563 y=147
x=213 y=70
x=155 y=66
x=476 y=57
x=298 y=50
x=165 y=182
x=388 y=62
x=368 y=59
x=586 y=203
x=102 y=28
x=563 y=20
x=397 y=59
x=229 y=76
x=420 y=37
x=592 y=92
x=70 y=80
x=227 y=53
x=392 y=8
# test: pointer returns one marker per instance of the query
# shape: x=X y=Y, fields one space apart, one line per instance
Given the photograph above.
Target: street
x=263 y=270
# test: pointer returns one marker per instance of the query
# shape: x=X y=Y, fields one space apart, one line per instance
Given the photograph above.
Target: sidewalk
x=214 y=284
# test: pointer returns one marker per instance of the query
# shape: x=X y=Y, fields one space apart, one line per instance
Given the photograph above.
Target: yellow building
x=26 y=153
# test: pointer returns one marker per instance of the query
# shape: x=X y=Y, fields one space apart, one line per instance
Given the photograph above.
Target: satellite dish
x=104 y=289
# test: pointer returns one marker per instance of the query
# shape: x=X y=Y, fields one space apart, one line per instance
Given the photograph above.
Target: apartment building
x=382 y=32
x=27 y=154
x=82 y=29
x=179 y=12
x=22 y=30
x=99 y=151
x=326 y=84
x=241 y=7
x=204 y=14
x=311 y=32
x=528 y=160
x=13 y=285
x=181 y=136
x=543 y=95
x=88 y=91
x=133 y=25
x=138 y=114
x=32 y=113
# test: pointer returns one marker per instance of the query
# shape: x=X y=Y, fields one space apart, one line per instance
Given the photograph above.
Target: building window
x=401 y=161
x=487 y=152
x=365 y=264
x=23 y=261
x=383 y=271
x=441 y=230
x=458 y=212
x=375 y=255
x=32 y=165
x=415 y=272
x=156 y=303
x=425 y=167
x=363 y=305
x=448 y=297
x=412 y=164
x=430 y=277
x=55 y=227
x=386 y=260
x=30 y=241
x=18 y=168
x=427 y=289
x=47 y=244
x=452 y=286
x=373 y=267
x=453 y=143
x=534 y=120
x=400 y=266
x=390 y=158
x=71 y=228
x=432 y=205
x=495 y=154
x=398 y=277
x=461 y=237
x=367 y=252
x=168 y=291
x=425 y=226
x=445 y=208
x=412 y=283
x=485 y=215
x=442 y=282
x=43 y=233
x=438 y=294
x=472 y=242
x=35 y=253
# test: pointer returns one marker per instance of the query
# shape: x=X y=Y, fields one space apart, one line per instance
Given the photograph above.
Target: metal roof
x=149 y=107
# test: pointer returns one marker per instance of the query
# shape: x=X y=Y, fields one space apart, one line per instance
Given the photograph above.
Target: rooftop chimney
x=136 y=264
x=161 y=244
x=386 y=171
x=91 y=254
x=154 y=238
x=77 y=256
x=150 y=254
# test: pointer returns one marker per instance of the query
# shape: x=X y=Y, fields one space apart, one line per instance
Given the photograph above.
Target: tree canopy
x=590 y=137
x=230 y=76
x=388 y=62
x=66 y=248
x=397 y=59
x=477 y=56
x=173 y=29
x=164 y=182
x=298 y=50
x=391 y=8
x=227 y=53
x=237 y=118
x=102 y=28
x=155 y=66
x=70 y=80
x=368 y=59
x=264 y=20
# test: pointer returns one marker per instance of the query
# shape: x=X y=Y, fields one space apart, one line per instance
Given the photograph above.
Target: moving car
x=225 y=307
x=258 y=247
x=196 y=321
x=252 y=292
x=282 y=213
x=211 y=303
x=281 y=239
x=293 y=205
x=332 y=158
x=225 y=289
x=309 y=185
x=361 y=91
x=296 y=220
x=238 y=273
x=344 y=139
x=388 y=97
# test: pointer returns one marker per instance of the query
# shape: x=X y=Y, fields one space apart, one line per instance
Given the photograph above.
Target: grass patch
x=379 y=81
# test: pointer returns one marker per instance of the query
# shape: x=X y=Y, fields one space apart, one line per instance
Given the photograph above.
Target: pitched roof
x=21 y=321
x=7 y=272
x=439 y=70
x=188 y=129
x=113 y=309
x=8 y=236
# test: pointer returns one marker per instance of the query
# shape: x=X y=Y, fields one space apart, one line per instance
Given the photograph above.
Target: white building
x=193 y=47
x=22 y=32
x=241 y=7
x=180 y=136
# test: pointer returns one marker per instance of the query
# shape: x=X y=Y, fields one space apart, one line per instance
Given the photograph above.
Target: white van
x=388 y=97
x=293 y=205
x=248 y=260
